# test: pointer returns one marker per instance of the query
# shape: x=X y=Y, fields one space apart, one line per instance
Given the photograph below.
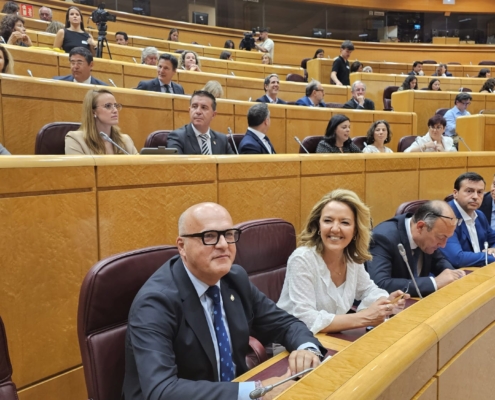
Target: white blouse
x=447 y=143
x=310 y=294
x=372 y=149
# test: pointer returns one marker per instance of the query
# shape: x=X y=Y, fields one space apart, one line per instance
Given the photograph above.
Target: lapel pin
x=214 y=142
x=232 y=297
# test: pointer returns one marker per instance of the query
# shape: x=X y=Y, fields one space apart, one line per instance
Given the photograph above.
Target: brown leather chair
x=157 y=138
x=486 y=63
x=409 y=207
x=465 y=89
x=51 y=138
x=304 y=63
x=310 y=143
x=454 y=63
x=429 y=62
x=8 y=391
x=359 y=141
x=405 y=142
x=263 y=250
x=235 y=138
x=449 y=198
x=294 y=78
x=387 y=97
x=334 y=105
x=441 y=111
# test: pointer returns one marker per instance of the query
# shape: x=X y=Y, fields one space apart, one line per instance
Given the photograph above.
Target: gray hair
x=430 y=212
x=353 y=87
x=148 y=51
x=313 y=85
x=267 y=80
x=49 y=9
x=367 y=69
x=257 y=114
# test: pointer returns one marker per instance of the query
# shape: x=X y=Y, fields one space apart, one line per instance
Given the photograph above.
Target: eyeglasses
x=453 y=221
x=211 y=238
x=109 y=106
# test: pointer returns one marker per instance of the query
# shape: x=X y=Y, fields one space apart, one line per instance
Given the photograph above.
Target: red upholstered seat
x=235 y=138
x=310 y=143
x=51 y=138
x=429 y=62
x=405 y=142
x=387 y=97
x=359 y=141
x=295 y=78
x=157 y=138
x=409 y=207
x=441 y=111
x=8 y=390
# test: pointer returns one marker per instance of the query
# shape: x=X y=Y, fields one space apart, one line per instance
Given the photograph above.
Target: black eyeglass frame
x=458 y=221
x=219 y=233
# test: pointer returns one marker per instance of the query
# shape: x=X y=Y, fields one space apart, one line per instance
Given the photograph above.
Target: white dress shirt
x=163 y=89
x=88 y=81
x=200 y=141
x=471 y=227
x=262 y=137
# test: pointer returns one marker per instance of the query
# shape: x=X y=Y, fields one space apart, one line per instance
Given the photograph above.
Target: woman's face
x=436 y=85
x=360 y=69
x=380 y=134
x=265 y=59
x=74 y=17
x=337 y=226
x=2 y=61
x=343 y=132
x=436 y=132
x=321 y=55
x=19 y=27
x=488 y=74
x=105 y=111
x=174 y=37
x=189 y=60
x=412 y=84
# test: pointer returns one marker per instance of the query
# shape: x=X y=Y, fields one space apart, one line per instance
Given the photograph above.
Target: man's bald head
x=198 y=211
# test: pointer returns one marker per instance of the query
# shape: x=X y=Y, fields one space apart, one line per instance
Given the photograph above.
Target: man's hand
x=279 y=389
x=300 y=360
x=360 y=100
x=490 y=251
x=448 y=276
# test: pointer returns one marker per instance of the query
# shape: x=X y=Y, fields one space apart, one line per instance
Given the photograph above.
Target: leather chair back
x=8 y=390
x=359 y=141
x=465 y=89
x=263 y=250
x=235 y=138
x=441 y=111
x=486 y=63
x=294 y=78
x=409 y=207
x=429 y=62
x=405 y=142
x=387 y=96
x=107 y=293
x=310 y=143
x=304 y=62
x=51 y=138
x=157 y=138
x=334 y=105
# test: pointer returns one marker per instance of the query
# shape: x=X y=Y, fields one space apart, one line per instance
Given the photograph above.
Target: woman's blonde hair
x=88 y=124
x=215 y=88
x=182 y=59
x=8 y=62
x=270 y=61
x=357 y=250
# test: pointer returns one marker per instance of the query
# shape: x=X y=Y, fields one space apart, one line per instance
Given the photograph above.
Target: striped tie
x=204 y=145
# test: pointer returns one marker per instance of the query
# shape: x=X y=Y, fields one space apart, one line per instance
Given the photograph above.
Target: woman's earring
x=319 y=233
x=94 y=115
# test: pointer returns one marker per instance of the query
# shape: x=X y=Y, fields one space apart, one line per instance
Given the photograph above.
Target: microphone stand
x=300 y=144
x=260 y=392
x=105 y=137
x=402 y=252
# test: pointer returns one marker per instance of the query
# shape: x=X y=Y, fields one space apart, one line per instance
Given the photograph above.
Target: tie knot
x=213 y=293
x=204 y=136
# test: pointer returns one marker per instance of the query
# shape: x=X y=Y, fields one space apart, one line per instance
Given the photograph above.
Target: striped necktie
x=204 y=144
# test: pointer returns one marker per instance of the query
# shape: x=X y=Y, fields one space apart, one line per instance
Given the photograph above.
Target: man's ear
x=91 y=66
x=419 y=225
x=456 y=193
x=180 y=245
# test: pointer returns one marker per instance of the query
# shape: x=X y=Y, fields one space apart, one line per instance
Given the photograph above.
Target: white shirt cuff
x=434 y=283
x=244 y=389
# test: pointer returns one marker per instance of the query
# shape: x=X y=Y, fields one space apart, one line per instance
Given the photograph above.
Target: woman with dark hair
x=378 y=134
x=488 y=86
x=337 y=137
x=226 y=55
x=13 y=32
x=173 y=35
x=10 y=7
x=320 y=53
x=434 y=85
x=189 y=61
x=74 y=34
x=434 y=139
x=6 y=61
x=410 y=83
x=356 y=66
x=484 y=73
x=229 y=44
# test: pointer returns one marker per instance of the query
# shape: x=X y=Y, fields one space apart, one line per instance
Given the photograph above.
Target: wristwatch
x=315 y=352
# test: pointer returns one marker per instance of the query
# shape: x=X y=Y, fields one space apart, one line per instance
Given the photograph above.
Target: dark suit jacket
x=70 y=78
x=459 y=250
x=387 y=268
x=252 y=144
x=185 y=141
x=169 y=349
x=305 y=101
x=486 y=207
x=352 y=104
x=265 y=99
x=153 y=85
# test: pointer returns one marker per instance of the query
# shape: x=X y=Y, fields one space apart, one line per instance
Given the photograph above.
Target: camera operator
x=266 y=45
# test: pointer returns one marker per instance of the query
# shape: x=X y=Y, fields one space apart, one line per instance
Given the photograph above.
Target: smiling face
x=105 y=111
x=342 y=133
x=337 y=227
x=165 y=71
x=273 y=87
x=380 y=134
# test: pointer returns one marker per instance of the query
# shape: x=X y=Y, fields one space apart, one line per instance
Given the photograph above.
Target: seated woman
x=410 y=83
x=226 y=55
x=484 y=73
x=434 y=139
x=434 y=85
x=266 y=59
x=378 y=134
x=189 y=61
x=320 y=53
x=337 y=137
x=74 y=34
x=173 y=35
x=229 y=44
x=488 y=86
x=54 y=27
x=149 y=56
x=13 y=32
x=326 y=273
x=100 y=114
x=6 y=61
x=356 y=66
x=215 y=88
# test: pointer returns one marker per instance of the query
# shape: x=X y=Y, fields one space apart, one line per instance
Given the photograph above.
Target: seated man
x=121 y=38
x=314 y=95
x=462 y=101
x=466 y=248
x=197 y=137
x=488 y=205
x=358 y=101
x=81 y=64
x=255 y=140
x=272 y=84
x=167 y=65
x=45 y=14
x=421 y=235
x=417 y=69
x=149 y=56
x=189 y=325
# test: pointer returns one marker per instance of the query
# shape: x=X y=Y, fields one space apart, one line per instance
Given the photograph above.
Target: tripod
x=102 y=40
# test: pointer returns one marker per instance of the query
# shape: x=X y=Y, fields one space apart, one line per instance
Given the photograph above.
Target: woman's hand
x=194 y=67
x=398 y=300
x=26 y=40
x=377 y=312
x=15 y=37
x=91 y=41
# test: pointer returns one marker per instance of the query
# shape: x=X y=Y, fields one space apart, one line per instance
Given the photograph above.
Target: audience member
x=442 y=71
x=338 y=137
x=356 y=66
x=100 y=114
x=74 y=34
x=462 y=102
x=434 y=85
x=81 y=64
x=272 y=86
x=13 y=32
x=368 y=69
x=434 y=139
x=121 y=38
x=189 y=61
x=226 y=55
x=417 y=69
x=4 y=151
x=320 y=53
x=173 y=35
x=149 y=56
x=6 y=61
x=197 y=137
x=10 y=7
x=488 y=205
x=266 y=59
x=378 y=135
x=466 y=247
x=45 y=14
x=488 y=86
x=358 y=101
x=421 y=234
x=215 y=88
x=266 y=45
x=229 y=44
x=166 y=68
x=325 y=274
x=54 y=27
x=340 y=69
x=314 y=95
x=256 y=141
x=178 y=311
x=410 y=83
x=484 y=73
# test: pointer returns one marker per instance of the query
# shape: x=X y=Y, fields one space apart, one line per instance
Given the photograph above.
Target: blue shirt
x=451 y=116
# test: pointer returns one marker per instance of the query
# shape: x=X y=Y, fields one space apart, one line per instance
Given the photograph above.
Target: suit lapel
x=193 y=141
x=258 y=140
x=215 y=143
x=465 y=238
x=156 y=85
x=405 y=242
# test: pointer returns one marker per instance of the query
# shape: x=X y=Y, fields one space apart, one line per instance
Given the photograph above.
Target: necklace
x=339 y=273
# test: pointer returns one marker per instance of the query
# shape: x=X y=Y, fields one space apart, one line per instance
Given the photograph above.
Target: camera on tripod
x=100 y=16
x=248 y=42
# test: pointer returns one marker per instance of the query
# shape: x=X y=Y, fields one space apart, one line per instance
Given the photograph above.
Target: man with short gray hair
x=314 y=95
x=272 y=85
x=358 y=101
x=255 y=140
x=45 y=14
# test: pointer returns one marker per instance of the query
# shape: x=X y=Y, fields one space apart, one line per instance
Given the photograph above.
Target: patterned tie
x=204 y=145
x=226 y=364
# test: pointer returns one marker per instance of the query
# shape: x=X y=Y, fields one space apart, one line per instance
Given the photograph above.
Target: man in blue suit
x=255 y=140
x=314 y=95
x=81 y=64
x=473 y=237
x=271 y=85
x=166 y=67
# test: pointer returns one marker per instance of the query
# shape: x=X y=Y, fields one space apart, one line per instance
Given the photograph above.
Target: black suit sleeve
x=142 y=86
x=174 y=142
x=348 y=106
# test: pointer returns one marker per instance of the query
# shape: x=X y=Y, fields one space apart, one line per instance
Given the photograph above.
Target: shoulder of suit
x=75 y=134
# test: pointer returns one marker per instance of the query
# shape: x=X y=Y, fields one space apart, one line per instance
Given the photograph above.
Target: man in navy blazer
x=473 y=233
x=314 y=95
x=358 y=100
x=488 y=204
x=255 y=140
x=81 y=64
x=195 y=302
x=271 y=85
x=166 y=68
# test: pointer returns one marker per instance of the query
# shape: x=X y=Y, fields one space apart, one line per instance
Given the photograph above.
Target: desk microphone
x=462 y=140
x=112 y=82
x=486 y=253
x=402 y=252
x=134 y=60
x=30 y=73
x=300 y=144
x=249 y=99
x=416 y=140
x=232 y=73
x=365 y=144
x=232 y=138
x=105 y=137
x=260 y=392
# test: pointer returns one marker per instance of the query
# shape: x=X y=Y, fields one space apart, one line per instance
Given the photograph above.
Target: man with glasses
x=466 y=248
x=314 y=95
x=189 y=325
x=421 y=234
x=462 y=101
x=81 y=64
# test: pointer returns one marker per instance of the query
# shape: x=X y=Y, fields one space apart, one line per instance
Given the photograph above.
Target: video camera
x=100 y=16
x=248 y=42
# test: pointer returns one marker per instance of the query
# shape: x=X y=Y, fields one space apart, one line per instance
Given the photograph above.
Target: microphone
x=260 y=392
x=300 y=144
x=134 y=60
x=105 y=137
x=233 y=141
x=462 y=140
x=30 y=73
x=402 y=252
x=249 y=99
x=486 y=253
x=112 y=82
x=232 y=73
x=416 y=140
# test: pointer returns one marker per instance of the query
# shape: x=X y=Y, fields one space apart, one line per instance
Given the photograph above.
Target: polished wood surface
x=478 y=131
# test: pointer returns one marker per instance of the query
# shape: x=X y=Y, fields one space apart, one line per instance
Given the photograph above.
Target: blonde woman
x=189 y=61
x=100 y=114
x=326 y=273
x=215 y=88
x=266 y=59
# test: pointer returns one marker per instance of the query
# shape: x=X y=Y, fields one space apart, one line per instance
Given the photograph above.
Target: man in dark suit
x=271 y=85
x=421 y=235
x=417 y=69
x=81 y=64
x=189 y=325
x=467 y=247
x=255 y=140
x=197 y=137
x=488 y=206
x=358 y=101
x=314 y=95
x=166 y=68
